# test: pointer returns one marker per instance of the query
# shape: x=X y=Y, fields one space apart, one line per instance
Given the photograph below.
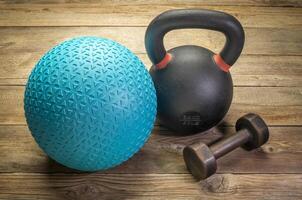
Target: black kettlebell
x=194 y=86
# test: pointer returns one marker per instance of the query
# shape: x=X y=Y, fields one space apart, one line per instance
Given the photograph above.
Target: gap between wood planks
x=134 y=15
x=270 y=60
x=163 y=186
x=240 y=3
x=283 y=109
x=163 y=153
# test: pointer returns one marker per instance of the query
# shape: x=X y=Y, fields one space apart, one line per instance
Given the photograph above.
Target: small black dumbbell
x=252 y=132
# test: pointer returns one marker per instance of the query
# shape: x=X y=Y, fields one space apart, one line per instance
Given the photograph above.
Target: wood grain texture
x=148 y=186
x=269 y=60
x=108 y=14
x=38 y=40
x=268 y=3
x=267 y=79
x=277 y=105
x=163 y=153
x=249 y=70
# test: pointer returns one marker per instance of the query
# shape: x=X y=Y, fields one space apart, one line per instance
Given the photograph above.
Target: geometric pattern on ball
x=90 y=103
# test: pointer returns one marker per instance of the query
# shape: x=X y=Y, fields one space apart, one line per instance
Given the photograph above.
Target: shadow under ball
x=193 y=85
x=90 y=103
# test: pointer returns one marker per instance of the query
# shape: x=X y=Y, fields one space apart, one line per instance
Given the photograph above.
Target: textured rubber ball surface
x=90 y=103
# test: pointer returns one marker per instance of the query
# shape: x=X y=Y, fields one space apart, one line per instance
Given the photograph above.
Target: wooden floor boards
x=267 y=80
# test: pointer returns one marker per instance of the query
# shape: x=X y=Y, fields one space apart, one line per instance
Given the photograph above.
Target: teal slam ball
x=90 y=103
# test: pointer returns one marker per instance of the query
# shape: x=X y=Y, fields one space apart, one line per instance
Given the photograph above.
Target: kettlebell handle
x=193 y=18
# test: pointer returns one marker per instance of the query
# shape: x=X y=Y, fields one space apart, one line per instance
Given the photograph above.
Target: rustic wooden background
x=267 y=79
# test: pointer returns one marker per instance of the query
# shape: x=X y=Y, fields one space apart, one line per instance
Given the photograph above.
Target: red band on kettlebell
x=162 y=64
x=221 y=64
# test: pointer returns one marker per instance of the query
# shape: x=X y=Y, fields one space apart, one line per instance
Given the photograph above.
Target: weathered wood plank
x=123 y=14
x=38 y=40
x=149 y=186
x=163 y=153
x=249 y=70
x=158 y=171
x=278 y=105
x=287 y=3
x=20 y=50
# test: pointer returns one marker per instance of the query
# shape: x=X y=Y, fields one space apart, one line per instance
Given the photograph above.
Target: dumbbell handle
x=227 y=145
